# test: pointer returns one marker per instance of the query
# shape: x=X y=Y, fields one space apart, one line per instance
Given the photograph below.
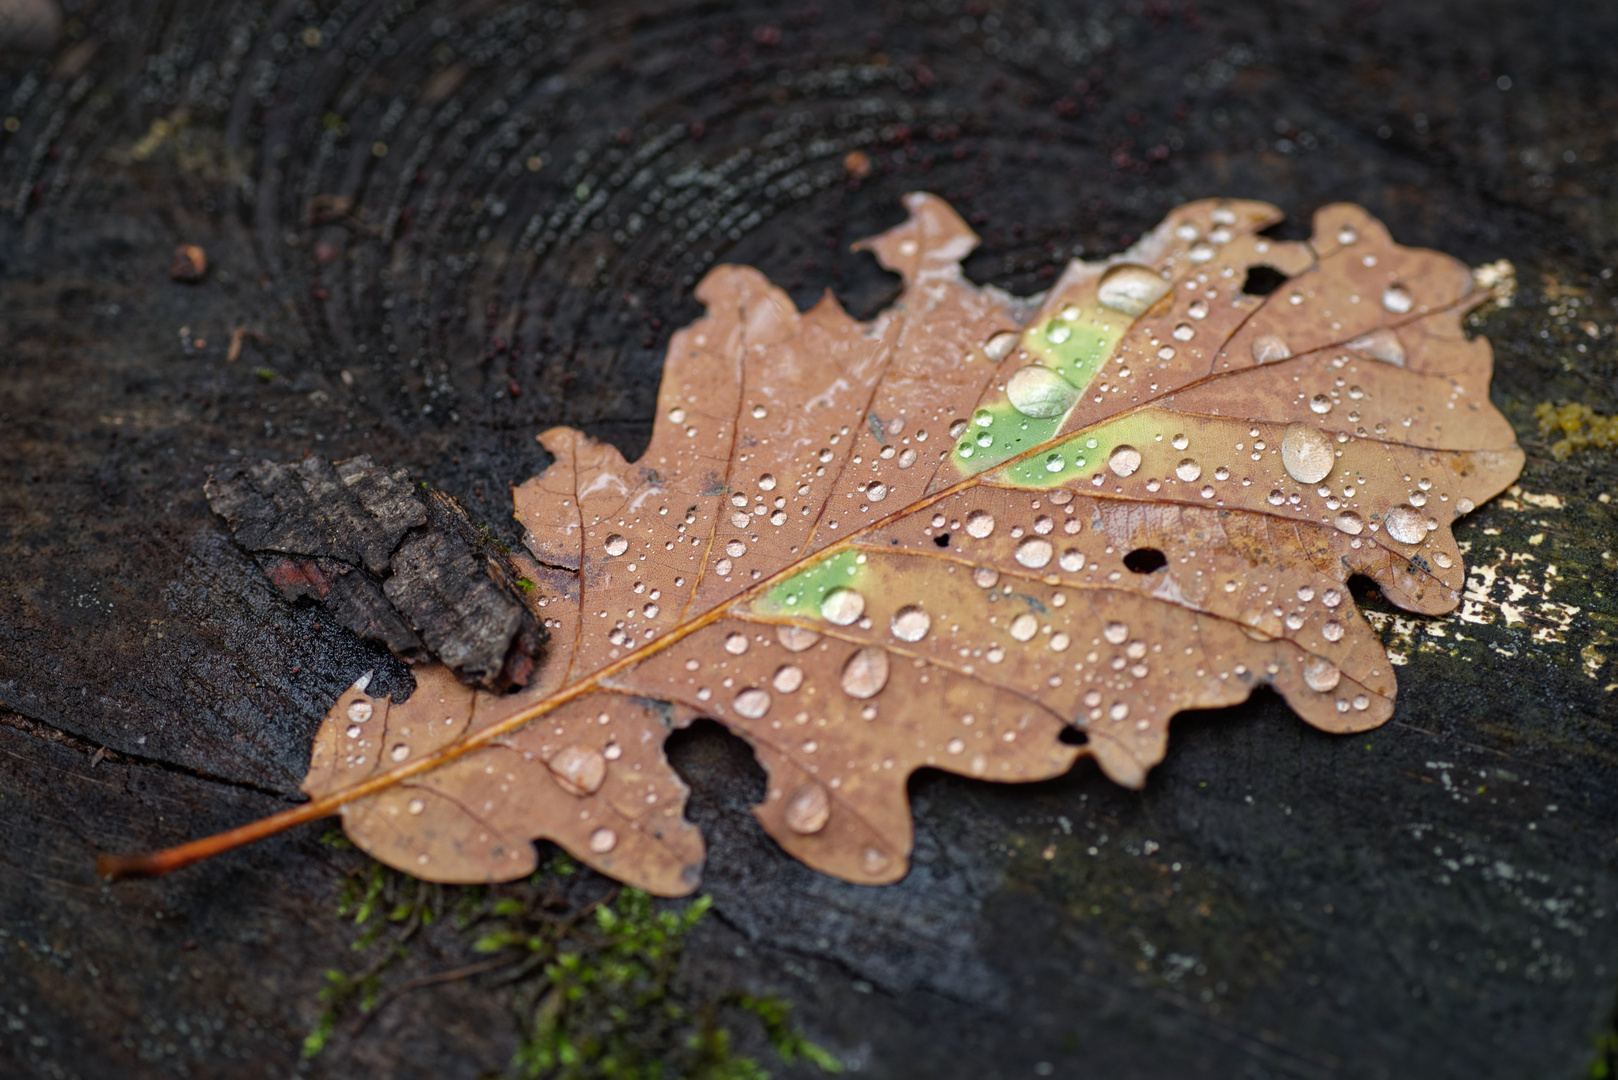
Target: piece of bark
x=391 y=563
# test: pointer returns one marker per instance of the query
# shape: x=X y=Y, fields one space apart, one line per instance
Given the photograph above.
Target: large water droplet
x=876 y=492
x=736 y=644
x=603 y=840
x=616 y=545
x=1131 y=289
x=842 y=606
x=752 y=702
x=808 y=810
x=359 y=711
x=1040 y=392
x=1320 y=404
x=1406 y=525
x=979 y=524
x=578 y=769
x=1124 y=460
x=1188 y=470
x=1024 y=627
x=1034 y=552
x=766 y=482
x=1307 y=453
x=866 y=673
x=796 y=638
x=1054 y=463
x=1071 y=561
x=1383 y=345
x=1332 y=631
x=910 y=623
x=1320 y=674
x=1115 y=632
x=1397 y=299
x=788 y=677
x=1268 y=348
x=1350 y=522
x=1184 y=332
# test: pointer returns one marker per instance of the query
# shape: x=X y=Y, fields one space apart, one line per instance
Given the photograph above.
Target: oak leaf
x=979 y=533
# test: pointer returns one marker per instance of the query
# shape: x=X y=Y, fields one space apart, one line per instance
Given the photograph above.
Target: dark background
x=443 y=228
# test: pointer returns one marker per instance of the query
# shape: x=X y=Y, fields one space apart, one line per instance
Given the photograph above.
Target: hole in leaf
x=1072 y=737
x=1262 y=281
x=1145 y=560
x=942 y=539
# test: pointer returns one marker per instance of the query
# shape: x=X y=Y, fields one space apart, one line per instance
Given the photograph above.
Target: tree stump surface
x=434 y=230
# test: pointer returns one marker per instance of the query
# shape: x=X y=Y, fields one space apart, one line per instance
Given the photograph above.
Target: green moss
x=1580 y=427
x=590 y=971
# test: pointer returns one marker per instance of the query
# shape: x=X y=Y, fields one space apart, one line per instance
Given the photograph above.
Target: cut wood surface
x=429 y=234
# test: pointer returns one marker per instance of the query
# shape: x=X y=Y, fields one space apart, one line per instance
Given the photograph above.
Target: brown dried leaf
x=946 y=537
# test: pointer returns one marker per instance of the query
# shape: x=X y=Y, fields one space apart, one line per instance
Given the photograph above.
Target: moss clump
x=1580 y=427
x=590 y=971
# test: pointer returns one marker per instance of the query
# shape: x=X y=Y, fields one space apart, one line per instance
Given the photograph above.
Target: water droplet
x=1184 y=332
x=874 y=861
x=1071 y=561
x=907 y=458
x=1201 y=253
x=616 y=545
x=1034 y=552
x=1115 y=632
x=842 y=606
x=1397 y=299
x=985 y=577
x=1268 y=348
x=400 y=752
x=612 y=752
x=603 y=840
x=956 y=427
x=1443 y=560
x=985 y=439
x=865 y=673
x=999 y=345
x=979 y=524
x=910 y=623
x=1058 y=332
x=876 y=492
x=416 y=806
x=1054 y=463
x=955 y=746
x=1131 y=289
x=1180 y=442
x=1347 y=235
x=735 y=548
x=1307 y=453
x=1188 y=470
x=1406 y=525
x=1275 y=498
x=1024 y=627
x=1198 y=309
x=1124 y=460
x=579 y=769
x=354 y=731
x=359 y=711
x=1383 y=345
x=796 y=638
x=677 y=415
x=1221 y=474
x=788 y=677
x=1320 y=674
x=736 y=644
x=1350 y=522
x=1320 y=404
x=1332 y=631
x=766 y=482
x=808 y=810
x=752 y=703
x=1040 y=392
x=759 y=412
x=650 y=611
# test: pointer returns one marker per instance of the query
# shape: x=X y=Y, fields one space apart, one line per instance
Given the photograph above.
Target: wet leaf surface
x=975 y=534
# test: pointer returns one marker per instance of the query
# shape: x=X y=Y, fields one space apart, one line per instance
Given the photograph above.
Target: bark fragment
x=391 y=563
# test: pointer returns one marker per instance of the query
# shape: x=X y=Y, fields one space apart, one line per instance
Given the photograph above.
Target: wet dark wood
x=433 y=231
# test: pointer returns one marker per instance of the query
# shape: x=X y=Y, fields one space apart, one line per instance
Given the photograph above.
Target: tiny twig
x=452 y=975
